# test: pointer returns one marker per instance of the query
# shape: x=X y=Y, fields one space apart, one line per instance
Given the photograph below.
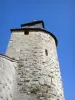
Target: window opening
x=46 y=52
x=26 y=32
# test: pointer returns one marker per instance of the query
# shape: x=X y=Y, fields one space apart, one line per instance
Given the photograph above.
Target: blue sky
x=59 y=18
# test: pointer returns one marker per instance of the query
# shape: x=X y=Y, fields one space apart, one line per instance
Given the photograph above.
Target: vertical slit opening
x=46 y=52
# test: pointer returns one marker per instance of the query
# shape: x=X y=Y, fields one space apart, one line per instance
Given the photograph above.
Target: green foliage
x=35 y=90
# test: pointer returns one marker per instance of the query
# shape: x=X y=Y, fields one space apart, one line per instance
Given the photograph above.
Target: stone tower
x=36 y=72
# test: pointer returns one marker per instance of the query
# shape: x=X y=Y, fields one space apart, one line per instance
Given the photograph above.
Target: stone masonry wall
x=7 y=78
x=37 y=75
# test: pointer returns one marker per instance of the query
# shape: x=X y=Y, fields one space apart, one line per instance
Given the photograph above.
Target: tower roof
x=33 y=23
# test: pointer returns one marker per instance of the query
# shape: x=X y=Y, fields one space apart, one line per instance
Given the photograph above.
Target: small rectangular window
x=26 y=32
x=46 y=52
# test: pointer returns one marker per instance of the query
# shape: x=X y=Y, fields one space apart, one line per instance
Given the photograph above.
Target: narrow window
x=26 y=32
x=46 y=52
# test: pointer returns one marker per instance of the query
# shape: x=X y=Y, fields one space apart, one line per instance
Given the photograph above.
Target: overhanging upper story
x=35 y=26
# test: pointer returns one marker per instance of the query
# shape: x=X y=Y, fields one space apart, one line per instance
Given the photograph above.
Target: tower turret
x=38 y=73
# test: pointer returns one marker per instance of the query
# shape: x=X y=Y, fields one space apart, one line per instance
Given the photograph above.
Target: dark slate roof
x=33 y=23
